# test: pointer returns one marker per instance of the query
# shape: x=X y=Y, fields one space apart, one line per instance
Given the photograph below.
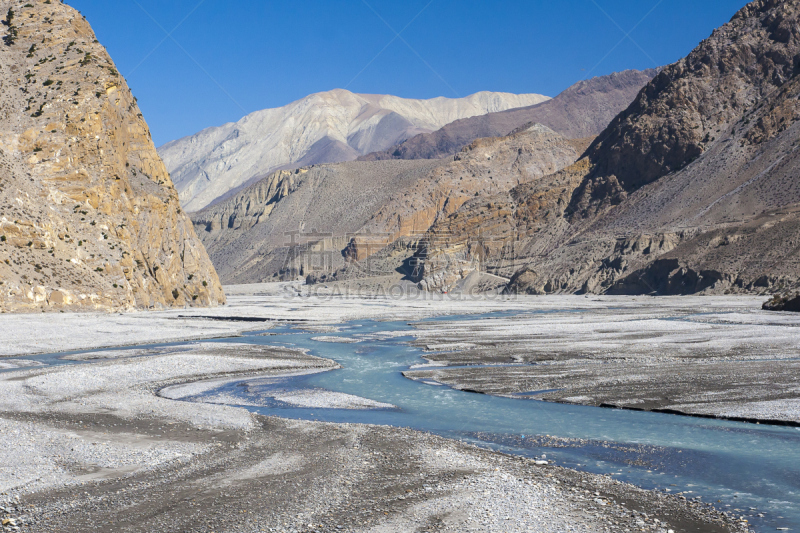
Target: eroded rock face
x=251 y=207
x=250 y=235
x=499 y=233
x=89 y=218
x=486 y=167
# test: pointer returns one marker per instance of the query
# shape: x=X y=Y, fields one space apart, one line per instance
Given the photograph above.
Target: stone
x=783 y=303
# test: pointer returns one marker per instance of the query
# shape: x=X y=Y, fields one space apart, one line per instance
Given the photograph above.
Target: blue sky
x=200 y=63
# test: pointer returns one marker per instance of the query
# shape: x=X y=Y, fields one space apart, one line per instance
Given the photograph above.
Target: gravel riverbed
x=95 y=447
x=699 y=357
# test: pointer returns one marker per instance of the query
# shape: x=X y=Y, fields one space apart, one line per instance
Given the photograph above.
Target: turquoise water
x=743 y=465
x=752 y=468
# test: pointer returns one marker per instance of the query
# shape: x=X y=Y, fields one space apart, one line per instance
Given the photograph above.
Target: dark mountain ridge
x=583 y=110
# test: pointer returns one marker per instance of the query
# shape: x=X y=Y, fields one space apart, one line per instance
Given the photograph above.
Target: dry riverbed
x=100 y=446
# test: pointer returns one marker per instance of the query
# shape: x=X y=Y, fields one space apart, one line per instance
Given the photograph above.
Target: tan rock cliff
x=89 y=218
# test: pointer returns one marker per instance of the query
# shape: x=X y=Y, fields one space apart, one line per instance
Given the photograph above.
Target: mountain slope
x=248 y=235
x=89 y=218
x=323 y=128
x=364 y=206
x=745 y=66
x=582 y=110
x=692 y=189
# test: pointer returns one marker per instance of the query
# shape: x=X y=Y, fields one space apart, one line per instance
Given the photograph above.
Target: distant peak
x=538 y=128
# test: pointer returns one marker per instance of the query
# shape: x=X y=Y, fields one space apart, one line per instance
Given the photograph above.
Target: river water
x=747 y=469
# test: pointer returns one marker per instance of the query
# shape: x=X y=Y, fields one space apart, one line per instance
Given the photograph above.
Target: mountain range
x=245 y=233
x=249 y=235
x=582 y=110
x=691 y=188
x=327 y=127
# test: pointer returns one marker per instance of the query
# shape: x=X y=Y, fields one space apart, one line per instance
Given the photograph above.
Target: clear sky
x=200 y=63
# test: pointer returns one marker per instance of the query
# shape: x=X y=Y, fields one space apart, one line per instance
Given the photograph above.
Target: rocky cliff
x=484 y=168
x=692 y=189
x=583 y=110
x=328 y=127
x=89 y=218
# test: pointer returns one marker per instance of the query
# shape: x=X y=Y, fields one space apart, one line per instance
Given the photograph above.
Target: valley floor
x=95 y=447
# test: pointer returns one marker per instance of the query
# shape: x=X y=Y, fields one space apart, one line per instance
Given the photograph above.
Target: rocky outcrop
x=294 y=223
x=783 y=303
x=582 y=110
x=89 y=218
x=329 y=127
x=484 y=168
x=249 y=208
x=494 y=234
x=666 y=277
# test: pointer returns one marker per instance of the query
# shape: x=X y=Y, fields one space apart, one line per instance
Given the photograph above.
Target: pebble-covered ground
x=95 y=447
x=698 y=356
x=292 y=476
